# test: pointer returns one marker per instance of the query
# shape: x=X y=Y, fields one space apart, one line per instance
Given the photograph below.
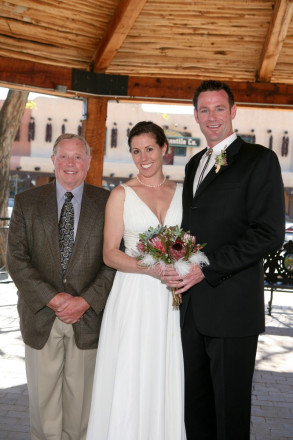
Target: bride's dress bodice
x=138 y=217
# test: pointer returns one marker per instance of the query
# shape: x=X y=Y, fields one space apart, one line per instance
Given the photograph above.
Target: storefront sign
x=177 y=139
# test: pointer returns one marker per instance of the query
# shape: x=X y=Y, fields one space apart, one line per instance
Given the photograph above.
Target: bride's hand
x=171 y=276
x=155 y=271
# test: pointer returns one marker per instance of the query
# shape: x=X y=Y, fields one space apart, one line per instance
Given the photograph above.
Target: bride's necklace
x=151 y=186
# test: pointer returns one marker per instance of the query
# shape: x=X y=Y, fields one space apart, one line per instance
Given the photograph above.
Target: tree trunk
x=10 y=118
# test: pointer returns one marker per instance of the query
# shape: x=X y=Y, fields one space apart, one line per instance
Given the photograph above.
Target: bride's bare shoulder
x=117 y=193
x=133 y=183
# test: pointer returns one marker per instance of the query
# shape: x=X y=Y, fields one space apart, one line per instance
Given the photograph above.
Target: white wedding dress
x=138 y=386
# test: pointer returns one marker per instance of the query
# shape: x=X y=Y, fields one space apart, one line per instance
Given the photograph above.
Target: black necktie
x=209 y=155
x=66 y=231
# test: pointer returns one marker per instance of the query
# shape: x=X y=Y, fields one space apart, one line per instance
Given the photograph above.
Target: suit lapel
x=189 y=177
x=49 y=217
x=231 y=152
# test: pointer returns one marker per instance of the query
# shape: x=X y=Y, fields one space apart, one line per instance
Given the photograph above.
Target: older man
x=55 y=259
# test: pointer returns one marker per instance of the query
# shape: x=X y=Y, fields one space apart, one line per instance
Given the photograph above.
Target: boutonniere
x=221 y=160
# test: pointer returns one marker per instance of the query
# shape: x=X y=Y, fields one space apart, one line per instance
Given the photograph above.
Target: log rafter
x=121 y=23
x=275 y=38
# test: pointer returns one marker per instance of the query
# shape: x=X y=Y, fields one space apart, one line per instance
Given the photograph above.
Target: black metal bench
x=278 y=271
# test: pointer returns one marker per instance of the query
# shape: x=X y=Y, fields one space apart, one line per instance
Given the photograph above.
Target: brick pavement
x=14 y=418
x=272 y=404
x=272 y=400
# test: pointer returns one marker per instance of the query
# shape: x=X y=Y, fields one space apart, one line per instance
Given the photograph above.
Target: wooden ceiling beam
x=182 y=90
x=35 y=75
x=57 y=81
x=122 y=21
x=276 y=35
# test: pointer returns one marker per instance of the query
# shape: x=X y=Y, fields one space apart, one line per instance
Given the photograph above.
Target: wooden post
x=94 y=129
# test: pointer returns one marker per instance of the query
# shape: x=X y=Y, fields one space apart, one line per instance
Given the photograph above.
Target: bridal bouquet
x=170 y=245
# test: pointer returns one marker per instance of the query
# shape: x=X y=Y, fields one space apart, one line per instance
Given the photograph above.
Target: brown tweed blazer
x=33 y=261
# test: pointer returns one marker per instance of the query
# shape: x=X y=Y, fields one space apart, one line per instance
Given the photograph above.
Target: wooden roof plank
x=275 y=38
x=57 y=7
x=27 y=32
x=39 y=53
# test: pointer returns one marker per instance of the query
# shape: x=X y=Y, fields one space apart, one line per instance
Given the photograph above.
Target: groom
x=233 y=199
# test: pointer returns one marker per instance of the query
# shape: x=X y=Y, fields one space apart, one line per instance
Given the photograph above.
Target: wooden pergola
x=150 y=50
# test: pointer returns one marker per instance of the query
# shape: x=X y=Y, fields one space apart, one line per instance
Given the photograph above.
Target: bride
x=138 y=384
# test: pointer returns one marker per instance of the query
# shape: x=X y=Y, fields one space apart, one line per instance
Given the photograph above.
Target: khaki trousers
x=60 y=379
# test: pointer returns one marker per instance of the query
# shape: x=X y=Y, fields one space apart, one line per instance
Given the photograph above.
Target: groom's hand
x=183 y=283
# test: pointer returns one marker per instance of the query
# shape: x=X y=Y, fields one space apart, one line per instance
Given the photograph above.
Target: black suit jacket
x=239 y=212
x=33 y=259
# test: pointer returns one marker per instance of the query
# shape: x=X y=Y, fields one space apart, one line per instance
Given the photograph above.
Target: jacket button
x=65 y=281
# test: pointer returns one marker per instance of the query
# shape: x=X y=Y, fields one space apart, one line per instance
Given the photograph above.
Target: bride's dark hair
x=151 y=128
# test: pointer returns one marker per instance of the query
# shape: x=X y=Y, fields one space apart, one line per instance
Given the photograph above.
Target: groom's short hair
x=211 y=86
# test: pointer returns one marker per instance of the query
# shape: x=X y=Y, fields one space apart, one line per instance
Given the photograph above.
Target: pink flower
x=157 y=243
x=188 y=237
x=177 y=250
x=141 y=246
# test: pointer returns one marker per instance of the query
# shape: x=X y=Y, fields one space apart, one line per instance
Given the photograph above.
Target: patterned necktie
x=201 y=177
x=66 y=231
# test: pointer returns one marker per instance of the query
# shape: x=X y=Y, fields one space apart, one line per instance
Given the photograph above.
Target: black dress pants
x=218 y=382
